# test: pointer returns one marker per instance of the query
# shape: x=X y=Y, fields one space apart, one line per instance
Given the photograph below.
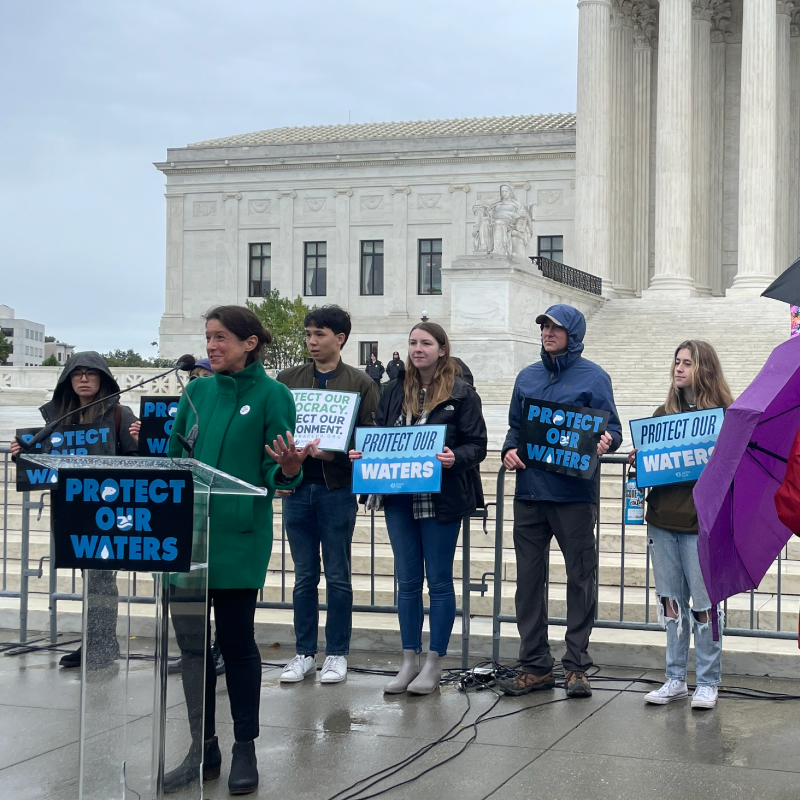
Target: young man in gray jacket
x=321 y=512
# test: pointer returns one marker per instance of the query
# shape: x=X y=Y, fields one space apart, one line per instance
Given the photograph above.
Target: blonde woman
x=423 y=528
x=697 y=383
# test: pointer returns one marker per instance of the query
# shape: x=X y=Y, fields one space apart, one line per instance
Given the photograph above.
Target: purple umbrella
x=740 y=534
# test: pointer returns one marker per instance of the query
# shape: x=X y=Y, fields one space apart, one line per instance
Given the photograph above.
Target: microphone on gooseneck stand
x=185 y=363
x=188 y=442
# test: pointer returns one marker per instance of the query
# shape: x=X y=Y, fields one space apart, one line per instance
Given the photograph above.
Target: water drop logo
x=56 y=439
x=558 y=418
x=109 y=490
x=54 y=477
x=104 y=552
x=125 y=522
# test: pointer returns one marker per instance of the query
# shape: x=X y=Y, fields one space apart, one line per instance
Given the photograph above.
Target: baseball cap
x=542 y=318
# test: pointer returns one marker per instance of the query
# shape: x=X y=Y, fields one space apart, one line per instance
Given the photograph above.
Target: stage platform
x=317 y=740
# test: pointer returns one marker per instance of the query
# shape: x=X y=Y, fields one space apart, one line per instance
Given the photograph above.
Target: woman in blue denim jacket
x=697 y=383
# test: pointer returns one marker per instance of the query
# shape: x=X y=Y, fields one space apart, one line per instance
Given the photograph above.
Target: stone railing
x=34 y=385
x=569 y=276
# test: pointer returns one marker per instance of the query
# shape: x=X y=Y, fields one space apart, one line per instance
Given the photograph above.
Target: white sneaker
x=705 y=697
x=334 y=670
x=298 y=668
x=673 y=689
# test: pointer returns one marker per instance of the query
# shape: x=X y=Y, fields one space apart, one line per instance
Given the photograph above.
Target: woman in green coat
x=241 y=411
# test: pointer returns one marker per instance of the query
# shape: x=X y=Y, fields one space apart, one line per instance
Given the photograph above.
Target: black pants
x=535 y=524
x=234 y=615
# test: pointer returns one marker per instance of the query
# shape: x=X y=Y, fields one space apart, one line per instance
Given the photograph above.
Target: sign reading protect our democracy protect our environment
x=561 y=438
x=325 y=415
x=674 y=448
x=399 y=460
x=157 y=415
x=70 y=440
x=122 y=519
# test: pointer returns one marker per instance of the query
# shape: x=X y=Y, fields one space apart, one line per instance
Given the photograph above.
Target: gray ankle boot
x=408 y=672
x=428 y=679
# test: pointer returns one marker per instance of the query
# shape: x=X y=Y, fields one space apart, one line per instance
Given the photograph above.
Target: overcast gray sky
x=94 y=92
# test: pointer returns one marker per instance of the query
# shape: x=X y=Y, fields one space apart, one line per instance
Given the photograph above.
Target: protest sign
x=156 y=415
x=676 y=447
x=325 y=415
x=399 y=460
x=70 y=440
x=123 y=519
x=561 y=438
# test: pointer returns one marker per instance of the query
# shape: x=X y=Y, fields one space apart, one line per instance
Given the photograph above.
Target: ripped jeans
x=676 y=568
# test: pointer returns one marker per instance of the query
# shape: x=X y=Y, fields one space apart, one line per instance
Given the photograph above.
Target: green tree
x=49 y=339
x=5 y=348
x=51 y=361
x=130 y=358
x=283 y=318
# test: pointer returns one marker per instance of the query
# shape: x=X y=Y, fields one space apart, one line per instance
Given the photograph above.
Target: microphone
x=186 y=363
x=183 y=363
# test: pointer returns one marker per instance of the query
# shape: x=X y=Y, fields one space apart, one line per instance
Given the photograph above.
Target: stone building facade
x=368 y=216
x=688 y=144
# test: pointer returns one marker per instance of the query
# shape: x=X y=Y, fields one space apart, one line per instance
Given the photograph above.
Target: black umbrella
x=786 y=287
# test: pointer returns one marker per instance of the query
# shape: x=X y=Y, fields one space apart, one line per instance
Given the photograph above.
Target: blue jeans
x=676 y=568
x=317 y=517
x=422 y=547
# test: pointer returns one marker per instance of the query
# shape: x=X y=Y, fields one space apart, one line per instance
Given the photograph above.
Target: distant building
x=26 y=338
x=60 y=350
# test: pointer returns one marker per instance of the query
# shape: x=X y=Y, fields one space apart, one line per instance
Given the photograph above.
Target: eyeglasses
x=85 y=373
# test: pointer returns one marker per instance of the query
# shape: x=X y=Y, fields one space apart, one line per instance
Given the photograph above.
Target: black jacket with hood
x=126 y=445
x=466 y=436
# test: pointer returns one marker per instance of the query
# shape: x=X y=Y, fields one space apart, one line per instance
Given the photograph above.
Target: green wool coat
x=239 y=414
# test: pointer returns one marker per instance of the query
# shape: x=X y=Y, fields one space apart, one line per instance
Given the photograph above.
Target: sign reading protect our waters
x=674 y=448
x=561 y=438
x=70 y=440
x=123 y=519
x=399 y=460
x=157 y=415
x=325 y=415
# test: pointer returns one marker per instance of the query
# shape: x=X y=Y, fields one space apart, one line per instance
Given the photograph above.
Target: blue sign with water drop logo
x=123 y=519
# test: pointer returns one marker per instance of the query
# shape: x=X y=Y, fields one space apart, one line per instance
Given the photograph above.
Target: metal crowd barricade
x=607 y=462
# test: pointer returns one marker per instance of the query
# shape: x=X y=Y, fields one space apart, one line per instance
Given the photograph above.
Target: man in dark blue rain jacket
x=548 y=504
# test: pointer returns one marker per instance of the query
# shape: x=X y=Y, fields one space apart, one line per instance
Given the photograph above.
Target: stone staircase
x=634 y=341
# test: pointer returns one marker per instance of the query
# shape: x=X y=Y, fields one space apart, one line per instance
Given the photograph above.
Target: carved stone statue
x=504 y=227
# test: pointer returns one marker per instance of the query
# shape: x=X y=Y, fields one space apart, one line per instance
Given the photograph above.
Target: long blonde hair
x=443 y=379
x=711 y=390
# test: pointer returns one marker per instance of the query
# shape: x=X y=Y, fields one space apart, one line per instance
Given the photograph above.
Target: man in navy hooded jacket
x=548 y=504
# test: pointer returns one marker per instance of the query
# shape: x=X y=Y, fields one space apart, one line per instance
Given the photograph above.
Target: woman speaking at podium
x=239 y=411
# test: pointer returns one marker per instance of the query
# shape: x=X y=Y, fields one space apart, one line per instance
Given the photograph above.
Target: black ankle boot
x=71 y=660
x=188 y=770
x=244 y=769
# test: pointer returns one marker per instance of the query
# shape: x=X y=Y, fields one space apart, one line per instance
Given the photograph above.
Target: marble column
x=643 y=19
x=593 y=140
x=173 y=306
x=757 y=151
x=783 y=143
x=283 y=278
x=794 y=137
x=673 y=234
x=717 y=144
x=339 y=277
x=396 y=304
x=621 y=183
x=701 y=143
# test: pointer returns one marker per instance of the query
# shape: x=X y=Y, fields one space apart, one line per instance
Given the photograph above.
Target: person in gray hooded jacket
x=84 y=379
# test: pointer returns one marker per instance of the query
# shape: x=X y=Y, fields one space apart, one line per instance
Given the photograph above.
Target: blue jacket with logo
x=571 y=380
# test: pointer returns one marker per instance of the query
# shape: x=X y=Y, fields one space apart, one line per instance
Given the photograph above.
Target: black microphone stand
x=188 y=442
x=50 y=426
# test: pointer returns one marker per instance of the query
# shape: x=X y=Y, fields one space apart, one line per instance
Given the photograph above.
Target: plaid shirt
x=423 y=503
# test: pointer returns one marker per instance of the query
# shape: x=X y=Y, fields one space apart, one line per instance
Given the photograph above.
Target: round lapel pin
x=244 y=410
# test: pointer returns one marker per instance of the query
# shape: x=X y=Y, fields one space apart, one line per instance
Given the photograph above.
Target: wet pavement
x=318 y=740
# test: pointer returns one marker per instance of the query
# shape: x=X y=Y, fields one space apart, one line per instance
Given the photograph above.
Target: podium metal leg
x=160 y=684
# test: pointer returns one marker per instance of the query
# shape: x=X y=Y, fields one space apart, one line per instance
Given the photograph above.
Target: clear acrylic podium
x=135 y=719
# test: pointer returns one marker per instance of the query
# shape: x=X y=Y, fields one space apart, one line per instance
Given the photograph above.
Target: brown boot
x=525 y=682
x=577 y=684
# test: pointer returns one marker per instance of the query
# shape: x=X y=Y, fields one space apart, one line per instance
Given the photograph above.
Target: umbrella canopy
x=786 y=287
x=740 y=534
